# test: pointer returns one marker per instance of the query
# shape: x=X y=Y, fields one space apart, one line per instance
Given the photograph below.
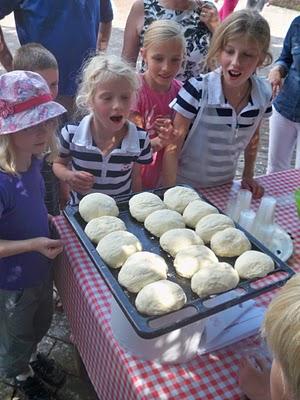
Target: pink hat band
x=7 y=108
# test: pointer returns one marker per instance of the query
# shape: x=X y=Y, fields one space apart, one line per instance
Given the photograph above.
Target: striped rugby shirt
x=112 y=172
x=212 y=148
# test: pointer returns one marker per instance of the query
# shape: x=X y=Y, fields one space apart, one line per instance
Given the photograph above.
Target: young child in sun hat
x=28 y=120
x=35 y=57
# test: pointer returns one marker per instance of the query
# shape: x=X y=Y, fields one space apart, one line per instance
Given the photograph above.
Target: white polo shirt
x=212 y=147
x=113 y=171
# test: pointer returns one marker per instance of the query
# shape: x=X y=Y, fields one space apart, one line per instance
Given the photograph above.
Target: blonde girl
x=163 y=53
x=27 y=125
x=281 y=329
x=225 y=106
x=105 y=150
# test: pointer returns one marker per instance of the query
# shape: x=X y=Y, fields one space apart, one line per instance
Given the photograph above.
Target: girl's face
x=111 y=105
x=239 y=59
x=163 y=62
x=33 y=140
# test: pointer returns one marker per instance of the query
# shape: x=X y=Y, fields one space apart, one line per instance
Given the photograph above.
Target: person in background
x=285 y=121
x=105 y=149
x=256 y=4
x=281 y=329
x=197 y=18
x=28 y=121
x=226 y=107
x=71 y=30
x=163 y=52
x=227 y=8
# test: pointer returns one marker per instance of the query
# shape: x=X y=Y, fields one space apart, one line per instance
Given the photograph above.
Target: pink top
x=151 y=105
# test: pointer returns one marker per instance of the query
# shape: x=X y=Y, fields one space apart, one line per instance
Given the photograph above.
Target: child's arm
x=248 y=181
x=5 y=55
x=172 y=151
x=48 y=247
x=136 y=184
x=79 y=181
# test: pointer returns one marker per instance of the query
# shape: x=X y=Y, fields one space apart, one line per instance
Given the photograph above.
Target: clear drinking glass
x=241 y=202
x=246 y=220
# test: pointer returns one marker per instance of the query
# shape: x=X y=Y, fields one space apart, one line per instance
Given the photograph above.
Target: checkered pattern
x=117 y=375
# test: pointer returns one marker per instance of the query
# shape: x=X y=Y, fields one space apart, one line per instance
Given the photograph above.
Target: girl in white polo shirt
x=225 y=107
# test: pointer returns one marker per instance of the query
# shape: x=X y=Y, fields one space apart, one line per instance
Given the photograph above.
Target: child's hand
x=81 y=181
x=48 y=247
x=165 y=131
x=254 y=187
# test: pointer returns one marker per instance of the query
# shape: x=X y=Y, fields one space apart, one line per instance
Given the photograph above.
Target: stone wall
x=293 y=4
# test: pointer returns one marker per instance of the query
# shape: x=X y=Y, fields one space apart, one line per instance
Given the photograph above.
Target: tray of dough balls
x=168 y=250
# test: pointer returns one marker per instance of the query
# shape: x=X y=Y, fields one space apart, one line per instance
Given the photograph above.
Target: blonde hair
x=33 y=57
x=162 y=30
x=8 y=157
x=100 y=69
x=243 y=23
x=281 y=328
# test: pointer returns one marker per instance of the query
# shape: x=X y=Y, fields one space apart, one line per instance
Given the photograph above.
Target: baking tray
x=195 y=308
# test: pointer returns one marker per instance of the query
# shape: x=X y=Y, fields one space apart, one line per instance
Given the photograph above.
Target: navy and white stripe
x=113 y=172
x=210 y=154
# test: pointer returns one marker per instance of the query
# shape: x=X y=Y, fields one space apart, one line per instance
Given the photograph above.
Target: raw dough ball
x=162 y=221
x=214 y=279
x=178 y=197
x=160 y=297
x=178 y=239
x=253 y=264
x=196 y=210
x=99 y=227
x=96 y=205
x=190 y=260
x=140 y=269
x=230 y=242
x=117 y=246
x=143 y=204
x=211 y=224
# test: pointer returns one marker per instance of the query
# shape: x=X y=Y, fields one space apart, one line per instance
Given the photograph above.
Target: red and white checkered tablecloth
x=115 y=373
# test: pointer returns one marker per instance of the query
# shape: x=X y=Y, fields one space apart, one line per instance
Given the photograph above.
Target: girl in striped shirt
x=225 y=107
x=105 y=151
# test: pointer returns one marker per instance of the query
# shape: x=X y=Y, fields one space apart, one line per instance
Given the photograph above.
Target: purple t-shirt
x=23 y=215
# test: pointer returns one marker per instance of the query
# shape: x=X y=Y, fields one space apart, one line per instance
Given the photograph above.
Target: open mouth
x=234 y=74
x=116 y=118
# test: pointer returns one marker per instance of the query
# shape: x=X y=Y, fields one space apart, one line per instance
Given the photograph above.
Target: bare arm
x=136 y=185
x=5 y=54
x=250 y=154
x=172 y=151
x=104 y=33
x=48 y=247
x=133 y=27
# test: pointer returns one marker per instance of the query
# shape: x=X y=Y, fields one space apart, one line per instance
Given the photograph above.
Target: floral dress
x=196 y=33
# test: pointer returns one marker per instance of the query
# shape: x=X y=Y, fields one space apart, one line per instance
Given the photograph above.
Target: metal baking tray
x=195 y=308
